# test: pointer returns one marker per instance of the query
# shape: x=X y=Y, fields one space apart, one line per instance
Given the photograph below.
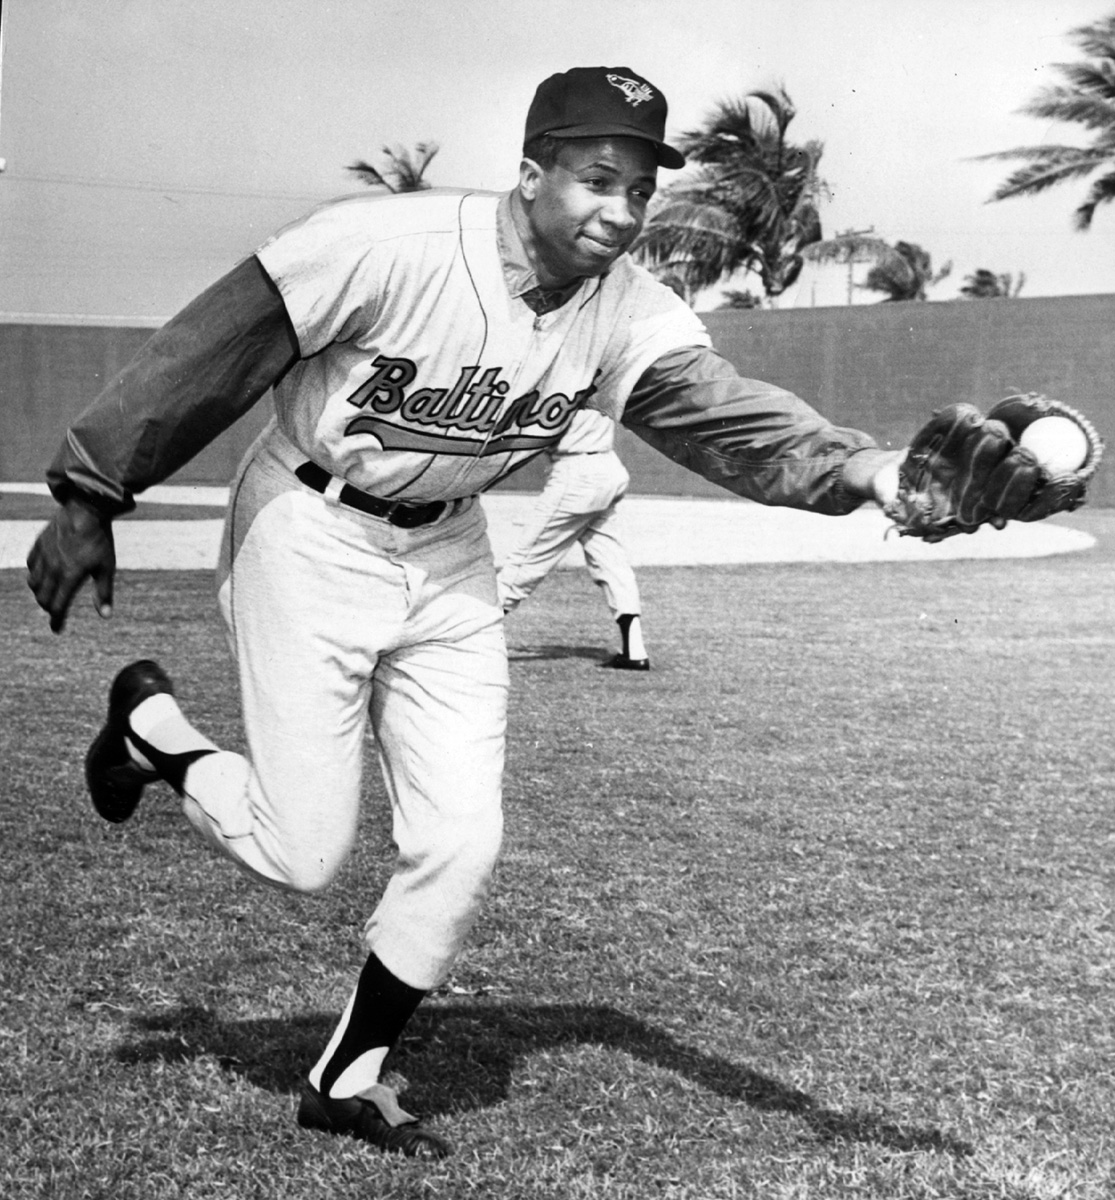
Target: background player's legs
x=610 y=568
x=556 y=521
x=608 y=564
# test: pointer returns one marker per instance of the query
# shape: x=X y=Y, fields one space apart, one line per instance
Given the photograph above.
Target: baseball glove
x=963 y=470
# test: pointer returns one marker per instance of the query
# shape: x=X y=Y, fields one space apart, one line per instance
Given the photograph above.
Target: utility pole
x=853 y=256
x=3 y=162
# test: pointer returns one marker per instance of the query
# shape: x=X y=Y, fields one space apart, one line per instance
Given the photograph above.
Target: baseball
x=1057 y=443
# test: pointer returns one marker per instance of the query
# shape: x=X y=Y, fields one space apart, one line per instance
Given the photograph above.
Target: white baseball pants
x=577 y=504
x=334 y=616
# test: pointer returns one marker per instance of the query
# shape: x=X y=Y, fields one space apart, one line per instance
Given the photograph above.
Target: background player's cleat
x=620 y=662
x=114 y=779
x=361 y=1119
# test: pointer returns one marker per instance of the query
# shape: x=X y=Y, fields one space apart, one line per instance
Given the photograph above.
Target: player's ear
x=530 y=177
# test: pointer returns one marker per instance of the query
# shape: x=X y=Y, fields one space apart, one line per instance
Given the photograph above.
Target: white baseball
x=1057 y=443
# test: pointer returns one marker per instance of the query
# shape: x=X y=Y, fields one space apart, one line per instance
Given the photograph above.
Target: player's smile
x=586 y=210
x=608 y=246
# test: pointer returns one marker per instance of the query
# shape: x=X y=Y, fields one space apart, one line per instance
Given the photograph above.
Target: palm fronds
x=1085 y=99
x=750 y=203
x=404 y=170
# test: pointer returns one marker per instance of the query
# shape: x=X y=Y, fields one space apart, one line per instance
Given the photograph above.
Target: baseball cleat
x=361 y=1119
x=114 y=779
x=620 y=662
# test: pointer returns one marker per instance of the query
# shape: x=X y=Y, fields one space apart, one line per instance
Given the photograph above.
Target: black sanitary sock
x=382 y=1007
x=171 y=767
x=624 y=623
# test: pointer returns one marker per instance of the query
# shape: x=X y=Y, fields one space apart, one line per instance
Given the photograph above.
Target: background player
x=579 y=503
x=420 y=348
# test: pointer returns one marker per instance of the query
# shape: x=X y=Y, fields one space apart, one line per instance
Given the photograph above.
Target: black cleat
x=621 y=662
x=361 y=1119
x=114 y=779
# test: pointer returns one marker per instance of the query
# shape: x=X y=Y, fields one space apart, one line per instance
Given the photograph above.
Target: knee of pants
x=465 y=863
x=479 y=851
x=299 y=852
x=311 y=869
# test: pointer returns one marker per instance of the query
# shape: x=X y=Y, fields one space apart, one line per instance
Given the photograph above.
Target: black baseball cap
x=590 y=102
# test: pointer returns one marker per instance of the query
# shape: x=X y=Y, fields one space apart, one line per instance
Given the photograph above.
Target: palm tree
x=986 y=285
x=905 y=273
x=735 y=298
x=404 y=170
x=847 y=249
x=750 y=204
x=1088 y=99
x=902 y=272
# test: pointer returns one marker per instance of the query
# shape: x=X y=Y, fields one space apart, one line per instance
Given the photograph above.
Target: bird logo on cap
x=633 y=90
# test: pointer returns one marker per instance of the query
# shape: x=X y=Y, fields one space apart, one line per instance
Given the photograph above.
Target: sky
x=149 y=145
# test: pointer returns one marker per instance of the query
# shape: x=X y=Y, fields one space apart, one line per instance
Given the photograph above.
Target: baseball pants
x=339 y=622
x=577 y=504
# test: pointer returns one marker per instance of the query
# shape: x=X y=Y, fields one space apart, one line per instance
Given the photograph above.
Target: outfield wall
x=880 y=367
x=50 y=370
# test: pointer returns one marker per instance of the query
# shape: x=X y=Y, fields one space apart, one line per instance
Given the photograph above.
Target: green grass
x=821 y=907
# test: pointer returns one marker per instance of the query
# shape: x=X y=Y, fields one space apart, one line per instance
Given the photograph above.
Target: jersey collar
x=519 y=275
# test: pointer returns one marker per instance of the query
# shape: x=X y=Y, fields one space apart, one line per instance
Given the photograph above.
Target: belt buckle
x=411 y=516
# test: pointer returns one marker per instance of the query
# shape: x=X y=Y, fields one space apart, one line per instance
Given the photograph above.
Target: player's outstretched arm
x=755 y=439
x=194 y=378
x=76 y=545
x=202 y=371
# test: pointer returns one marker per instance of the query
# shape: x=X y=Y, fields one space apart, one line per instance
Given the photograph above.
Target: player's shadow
x=462 y=1055
x=550 y=650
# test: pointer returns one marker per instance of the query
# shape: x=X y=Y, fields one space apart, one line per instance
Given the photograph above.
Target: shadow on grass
x=476 y=1045
x=553 y=650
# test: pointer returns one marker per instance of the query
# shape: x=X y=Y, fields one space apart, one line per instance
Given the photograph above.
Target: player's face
x=588 y=208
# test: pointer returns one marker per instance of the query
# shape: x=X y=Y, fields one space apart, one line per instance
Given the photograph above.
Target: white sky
x=152 y=143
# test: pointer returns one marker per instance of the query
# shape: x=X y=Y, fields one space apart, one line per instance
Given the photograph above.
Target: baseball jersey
x=421 y=377
x=590 y=432
x=402 y=342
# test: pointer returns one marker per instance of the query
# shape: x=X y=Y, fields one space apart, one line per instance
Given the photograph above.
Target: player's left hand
x=77 y=544
x=963 y=470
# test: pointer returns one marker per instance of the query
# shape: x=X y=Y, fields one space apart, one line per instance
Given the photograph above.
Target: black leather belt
x=406 y=516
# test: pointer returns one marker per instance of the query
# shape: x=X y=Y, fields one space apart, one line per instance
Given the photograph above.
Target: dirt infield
x=661 y=531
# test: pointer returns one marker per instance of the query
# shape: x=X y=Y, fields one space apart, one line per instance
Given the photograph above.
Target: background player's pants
x=333 y=615
x=577 y=504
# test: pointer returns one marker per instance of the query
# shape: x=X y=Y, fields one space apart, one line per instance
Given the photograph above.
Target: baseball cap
x=602 y=102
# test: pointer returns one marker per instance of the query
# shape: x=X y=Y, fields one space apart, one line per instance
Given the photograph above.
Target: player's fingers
x=103 y=578
x=57 y=603
x=34 y=568
x=54 y=578
x=42 y=579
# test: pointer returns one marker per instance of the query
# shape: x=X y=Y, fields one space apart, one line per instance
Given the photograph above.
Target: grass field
x=821 y=907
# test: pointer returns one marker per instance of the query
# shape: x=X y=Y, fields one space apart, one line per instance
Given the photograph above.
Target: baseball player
x=420 y=348
x=579 y=503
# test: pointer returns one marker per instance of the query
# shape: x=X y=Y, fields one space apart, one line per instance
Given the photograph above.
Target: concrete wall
x=880 y=367
x=49 y=372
